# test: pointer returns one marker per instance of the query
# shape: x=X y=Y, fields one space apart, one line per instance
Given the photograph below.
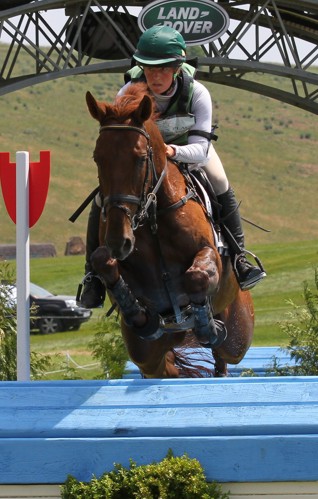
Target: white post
x=23 y=266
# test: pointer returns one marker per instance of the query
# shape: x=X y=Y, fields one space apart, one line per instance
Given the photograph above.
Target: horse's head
x=123 y=155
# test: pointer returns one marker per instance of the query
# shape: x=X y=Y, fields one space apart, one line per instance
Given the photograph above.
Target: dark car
x=52 y=313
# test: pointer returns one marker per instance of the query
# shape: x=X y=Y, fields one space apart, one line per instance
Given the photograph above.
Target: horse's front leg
x=134 y=314
x=201 y=283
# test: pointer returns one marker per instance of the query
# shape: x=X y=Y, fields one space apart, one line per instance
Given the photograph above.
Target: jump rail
x=257 y=359
x=241 y=429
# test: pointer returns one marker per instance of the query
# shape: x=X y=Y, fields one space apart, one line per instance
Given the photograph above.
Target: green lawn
x=288 y=267
x=62 y=275
x=69 y=351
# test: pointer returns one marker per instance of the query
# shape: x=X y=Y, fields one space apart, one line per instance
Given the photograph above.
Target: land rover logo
x=199 y=21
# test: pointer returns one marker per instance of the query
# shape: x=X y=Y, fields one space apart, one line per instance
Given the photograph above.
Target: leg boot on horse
x=201 y=283
x=145 y=325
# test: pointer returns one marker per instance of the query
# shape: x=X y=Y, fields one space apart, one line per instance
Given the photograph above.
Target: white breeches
x=215 y=172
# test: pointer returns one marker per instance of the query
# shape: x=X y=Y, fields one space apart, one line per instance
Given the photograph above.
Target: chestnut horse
x=158 y=258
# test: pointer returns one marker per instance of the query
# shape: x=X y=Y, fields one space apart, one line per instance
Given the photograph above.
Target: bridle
x=147 y=198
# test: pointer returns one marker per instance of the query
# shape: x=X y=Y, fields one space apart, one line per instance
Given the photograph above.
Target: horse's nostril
x=127 y=247
x=120 y=249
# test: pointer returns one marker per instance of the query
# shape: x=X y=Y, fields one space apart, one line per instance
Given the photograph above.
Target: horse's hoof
x=219 y=374
x=152 y=330
x=92 y=295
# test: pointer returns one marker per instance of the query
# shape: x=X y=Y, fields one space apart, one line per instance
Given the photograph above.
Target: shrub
x=8 y=328
x=302 y=331
x=171 y=478
x=109 y=349
x=8 y=334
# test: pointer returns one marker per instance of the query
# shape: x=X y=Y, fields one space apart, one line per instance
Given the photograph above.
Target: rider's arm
x=197 y=148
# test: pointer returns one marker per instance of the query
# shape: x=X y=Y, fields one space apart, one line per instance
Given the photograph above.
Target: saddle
x=198 y=180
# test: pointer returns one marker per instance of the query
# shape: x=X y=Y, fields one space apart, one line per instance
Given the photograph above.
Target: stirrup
x=252 y=281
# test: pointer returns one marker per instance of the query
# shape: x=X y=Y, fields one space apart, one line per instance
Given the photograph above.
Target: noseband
x=146 y=199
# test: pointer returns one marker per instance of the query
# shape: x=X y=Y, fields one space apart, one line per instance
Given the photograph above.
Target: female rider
x=185 y=109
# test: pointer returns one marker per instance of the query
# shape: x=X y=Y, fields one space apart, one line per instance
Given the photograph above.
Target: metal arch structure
x=256 y=29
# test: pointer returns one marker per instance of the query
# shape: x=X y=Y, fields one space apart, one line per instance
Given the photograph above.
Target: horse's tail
x=192 y=360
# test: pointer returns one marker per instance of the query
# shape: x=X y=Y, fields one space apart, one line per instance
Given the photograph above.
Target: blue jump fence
x=257 y=359
x=241 y=429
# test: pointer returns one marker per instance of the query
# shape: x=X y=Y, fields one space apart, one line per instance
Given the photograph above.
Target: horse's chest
x=182 y=242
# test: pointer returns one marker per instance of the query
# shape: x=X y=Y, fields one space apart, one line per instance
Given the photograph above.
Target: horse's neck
x=173 y=186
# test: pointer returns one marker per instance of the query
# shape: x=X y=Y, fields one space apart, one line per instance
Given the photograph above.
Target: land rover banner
x=199 y=21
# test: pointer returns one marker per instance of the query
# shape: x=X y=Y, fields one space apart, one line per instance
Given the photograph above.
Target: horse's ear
x=96 y=109
x=144 y=110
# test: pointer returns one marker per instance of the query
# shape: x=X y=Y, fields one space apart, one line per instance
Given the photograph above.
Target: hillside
x=268 y=148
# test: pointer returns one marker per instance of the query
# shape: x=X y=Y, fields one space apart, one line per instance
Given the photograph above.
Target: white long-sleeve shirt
x=201 y=107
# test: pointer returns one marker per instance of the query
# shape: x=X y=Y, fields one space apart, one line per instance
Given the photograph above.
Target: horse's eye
x=140 y=161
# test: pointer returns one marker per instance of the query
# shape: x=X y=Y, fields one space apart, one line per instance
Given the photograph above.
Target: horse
x=158 y=257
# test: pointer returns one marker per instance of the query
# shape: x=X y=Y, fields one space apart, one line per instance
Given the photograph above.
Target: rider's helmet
x=161 y=46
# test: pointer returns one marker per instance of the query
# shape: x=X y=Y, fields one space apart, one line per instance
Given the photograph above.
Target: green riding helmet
x=160 y=45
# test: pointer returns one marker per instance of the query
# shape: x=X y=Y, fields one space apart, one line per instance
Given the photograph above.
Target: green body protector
x=177 y=120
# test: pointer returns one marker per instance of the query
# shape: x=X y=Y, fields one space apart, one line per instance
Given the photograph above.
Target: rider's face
x=159 y=79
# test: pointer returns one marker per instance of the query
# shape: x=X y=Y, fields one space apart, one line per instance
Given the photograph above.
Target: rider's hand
x=170 y=151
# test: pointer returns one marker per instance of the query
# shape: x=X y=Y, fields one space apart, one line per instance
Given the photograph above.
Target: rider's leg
x=93 y=294
x=247 y=274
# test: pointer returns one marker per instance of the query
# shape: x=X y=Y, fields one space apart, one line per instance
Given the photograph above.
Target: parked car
x=52 y=313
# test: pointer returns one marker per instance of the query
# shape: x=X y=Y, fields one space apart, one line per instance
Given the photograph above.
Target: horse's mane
x=124 y=105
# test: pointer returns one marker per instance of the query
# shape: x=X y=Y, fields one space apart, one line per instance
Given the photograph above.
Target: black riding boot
x=93 y=294
x=247 y=274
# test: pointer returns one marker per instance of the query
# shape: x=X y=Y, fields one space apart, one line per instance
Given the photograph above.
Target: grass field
x=288 y=266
